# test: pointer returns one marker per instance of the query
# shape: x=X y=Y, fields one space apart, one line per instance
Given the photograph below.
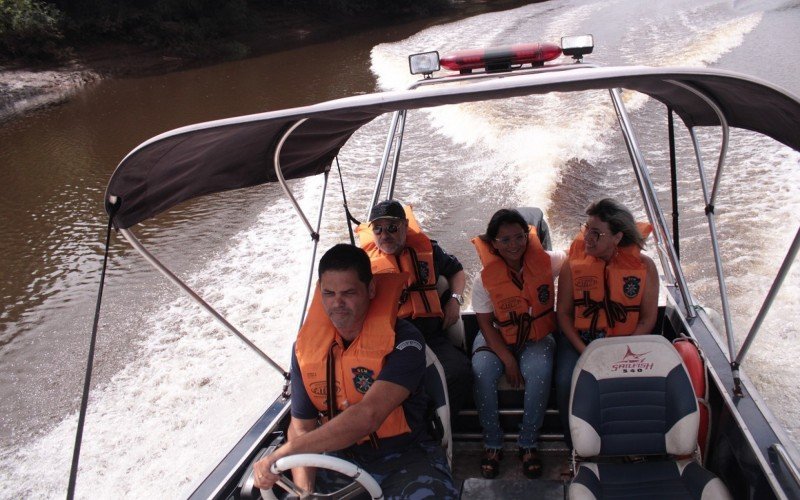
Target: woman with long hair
x=608 y=288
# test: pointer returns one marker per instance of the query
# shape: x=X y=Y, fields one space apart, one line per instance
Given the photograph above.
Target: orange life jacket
x=326 y=364
x=523 y=310
x=608 y=296
x=419 y=298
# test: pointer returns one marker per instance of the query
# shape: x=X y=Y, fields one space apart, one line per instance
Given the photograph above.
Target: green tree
x=29 y=28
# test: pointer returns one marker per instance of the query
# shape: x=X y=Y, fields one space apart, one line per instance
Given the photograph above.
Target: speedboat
x=739 y=440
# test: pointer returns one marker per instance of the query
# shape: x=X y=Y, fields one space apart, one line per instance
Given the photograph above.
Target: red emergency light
x=501 y=58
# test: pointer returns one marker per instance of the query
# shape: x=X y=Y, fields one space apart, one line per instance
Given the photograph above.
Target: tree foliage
x=29 y=28
x=194 y=28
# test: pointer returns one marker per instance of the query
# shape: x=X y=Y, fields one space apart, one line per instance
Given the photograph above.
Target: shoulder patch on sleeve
x=408 y=343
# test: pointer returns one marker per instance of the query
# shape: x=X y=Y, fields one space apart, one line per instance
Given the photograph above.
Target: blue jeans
x=421 y=471
x=536 y=364
x=566 y=358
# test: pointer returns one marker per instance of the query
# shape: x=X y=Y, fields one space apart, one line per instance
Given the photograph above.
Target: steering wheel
x=361 y=480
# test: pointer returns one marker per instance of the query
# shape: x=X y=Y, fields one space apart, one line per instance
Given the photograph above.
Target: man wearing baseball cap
x=395 y=243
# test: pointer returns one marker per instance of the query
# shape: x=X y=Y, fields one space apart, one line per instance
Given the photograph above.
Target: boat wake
x=191 y=391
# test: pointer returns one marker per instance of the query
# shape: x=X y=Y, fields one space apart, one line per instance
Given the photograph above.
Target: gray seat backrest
x=535 y=217
x=456 y=332
x=632 y=396
x=436 y=388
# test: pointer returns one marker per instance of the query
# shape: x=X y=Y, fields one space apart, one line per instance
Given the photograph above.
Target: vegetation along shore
x=49 y=50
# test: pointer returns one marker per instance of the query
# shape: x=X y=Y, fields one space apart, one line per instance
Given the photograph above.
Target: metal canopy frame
x=665 y=246
x=668 y=256
x=159 y=266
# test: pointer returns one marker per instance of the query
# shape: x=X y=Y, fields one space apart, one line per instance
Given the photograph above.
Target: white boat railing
x=667 y=251
x=773 y=291
x=313 y=233
x=786 y=459
x=137 y=245
x=652 y=207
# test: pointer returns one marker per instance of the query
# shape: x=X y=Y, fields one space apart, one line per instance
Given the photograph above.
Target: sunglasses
x=591 y=234
x=391 y=229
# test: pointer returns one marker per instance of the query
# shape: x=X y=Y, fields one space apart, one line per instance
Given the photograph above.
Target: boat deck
x=510 y=483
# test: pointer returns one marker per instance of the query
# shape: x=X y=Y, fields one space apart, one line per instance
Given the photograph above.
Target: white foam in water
x=708 y=42
x=508 y=134
x=756 y=227
x=510 y=139
x=168 y=417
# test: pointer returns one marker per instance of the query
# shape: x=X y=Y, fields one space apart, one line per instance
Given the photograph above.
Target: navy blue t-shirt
x=445 y=265
x=405 y=366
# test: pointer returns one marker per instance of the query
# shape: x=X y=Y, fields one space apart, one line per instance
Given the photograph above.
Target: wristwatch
x=459 y=298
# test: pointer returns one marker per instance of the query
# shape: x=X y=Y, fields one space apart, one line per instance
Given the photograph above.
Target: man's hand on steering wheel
x=263 y=476
x=268 y=471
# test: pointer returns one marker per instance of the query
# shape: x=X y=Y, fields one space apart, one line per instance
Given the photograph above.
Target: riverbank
x=25 y=88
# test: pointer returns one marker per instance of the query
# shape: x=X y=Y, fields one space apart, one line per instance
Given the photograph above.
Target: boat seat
x=436 y=388
x=633 y=417
x=456 y=332
x=535 y=217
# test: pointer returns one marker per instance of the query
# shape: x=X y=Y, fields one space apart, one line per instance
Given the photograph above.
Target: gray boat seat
x=456 y=332
x=436 y=388
x=632 y=397
x=535 y=217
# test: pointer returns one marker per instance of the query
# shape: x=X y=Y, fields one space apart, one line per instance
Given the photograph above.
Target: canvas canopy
x=239 y=152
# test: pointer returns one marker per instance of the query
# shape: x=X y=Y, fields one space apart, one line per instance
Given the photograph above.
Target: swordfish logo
x=632 y=362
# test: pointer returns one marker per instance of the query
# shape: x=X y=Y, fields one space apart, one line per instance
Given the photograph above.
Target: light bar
x=501 y=58
x=577 y=46
x=424 y=63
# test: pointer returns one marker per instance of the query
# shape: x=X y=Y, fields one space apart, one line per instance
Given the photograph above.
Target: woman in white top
x=513 y=298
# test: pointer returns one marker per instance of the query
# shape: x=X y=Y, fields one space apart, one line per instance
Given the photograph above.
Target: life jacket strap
x=615 y=311
x=524 y=323
x=484 y=348
x=333 y=409
x=515 y=279
x=373 y=440
x=419 y=286
x=330 y=379
x=591 y=308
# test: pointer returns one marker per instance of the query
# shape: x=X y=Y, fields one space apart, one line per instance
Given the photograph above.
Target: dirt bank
x=24 y=88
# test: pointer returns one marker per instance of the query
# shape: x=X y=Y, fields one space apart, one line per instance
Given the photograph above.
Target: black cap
x=389 y=209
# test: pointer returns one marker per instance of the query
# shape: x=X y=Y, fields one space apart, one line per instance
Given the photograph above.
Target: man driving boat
x=396 y=244
x=371 y=411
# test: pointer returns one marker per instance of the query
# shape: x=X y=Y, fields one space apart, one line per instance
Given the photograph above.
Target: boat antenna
x=350 y=217
x=76 y=452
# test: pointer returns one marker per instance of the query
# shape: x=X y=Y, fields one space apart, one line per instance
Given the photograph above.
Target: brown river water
x=172 y=391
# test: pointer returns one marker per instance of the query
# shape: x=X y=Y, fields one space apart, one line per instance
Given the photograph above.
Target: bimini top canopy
x=238 y=152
